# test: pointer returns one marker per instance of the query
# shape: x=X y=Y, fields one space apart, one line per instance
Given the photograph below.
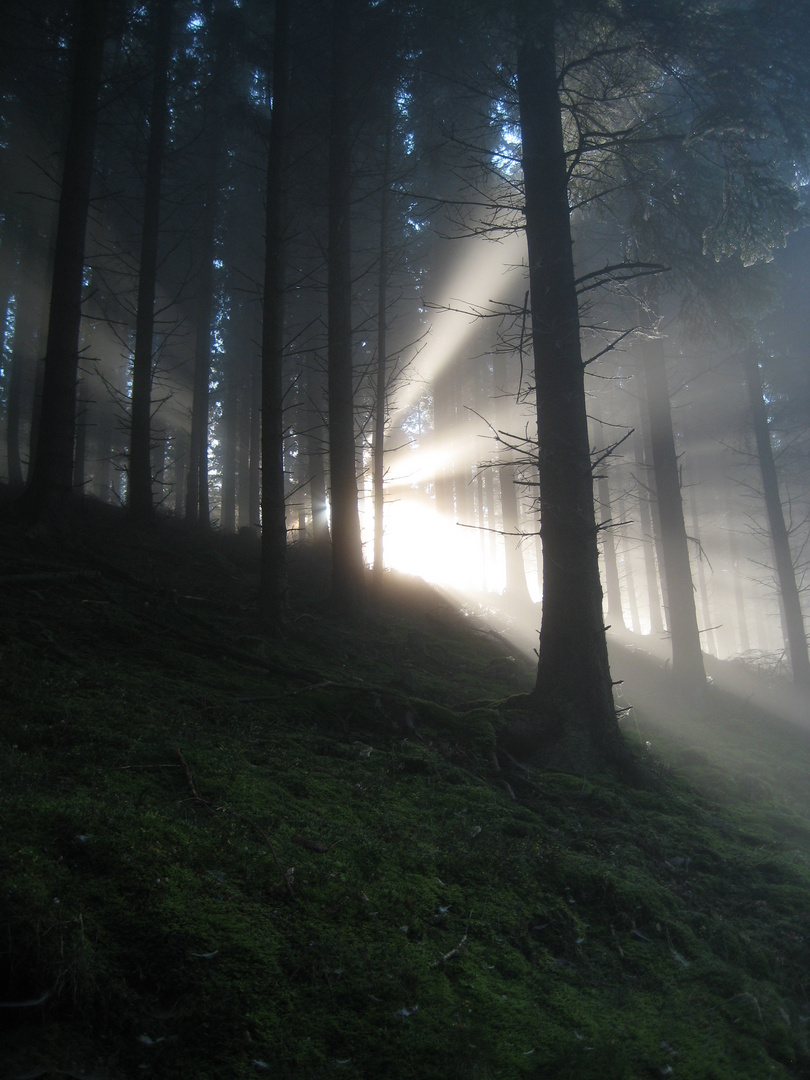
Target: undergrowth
x=230 y=855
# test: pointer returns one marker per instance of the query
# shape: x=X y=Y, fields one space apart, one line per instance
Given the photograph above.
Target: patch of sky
x=257 y=91
x=506 y=158
x=404 y=98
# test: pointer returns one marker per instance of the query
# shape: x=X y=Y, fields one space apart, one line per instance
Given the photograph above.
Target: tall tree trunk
x=629 y=577
x=230 y=432
x=254 y=494
x=644 y=480
x=780 y=540
x=517 y=588
x=51 y=480
x=687 y=657
x=380 y=402
x=742 y=640
x=140 y=502
x=245 y=406
x=703 y=583
x=80 y=451
x=104 y=452
x=273 y=581
x=347 y=548
x=315 y=449
x=613 y=588
x=23 y=365
x=13 y=417
x=573 y=673
x=197 y=494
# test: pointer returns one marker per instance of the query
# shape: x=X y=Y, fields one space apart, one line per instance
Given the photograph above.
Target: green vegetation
x=226 y=855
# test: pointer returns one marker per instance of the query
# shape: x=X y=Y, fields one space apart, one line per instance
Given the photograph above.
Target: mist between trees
x=509 y=295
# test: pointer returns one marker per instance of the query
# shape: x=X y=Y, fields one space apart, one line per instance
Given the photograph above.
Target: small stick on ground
x=459 y=948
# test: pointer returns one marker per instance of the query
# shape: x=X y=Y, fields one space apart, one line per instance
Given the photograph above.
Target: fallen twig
x=459 y=948
x=451 y=954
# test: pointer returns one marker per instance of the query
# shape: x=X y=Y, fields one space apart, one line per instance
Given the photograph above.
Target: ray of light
x=484 y=271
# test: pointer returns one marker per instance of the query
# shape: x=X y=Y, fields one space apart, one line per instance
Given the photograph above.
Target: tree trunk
x=780 y=540
x=347 y=548
x=574 y=685
x=380 y=403
x=315 y=441
x=517 y=588
x=645 y=517
x=80 y=450
x=629 y=576
x=229 y=428
x=197 y=495
x=742 y=640
x=613 y=588
x=273 y=581
x=51 y=480
x=140 y=502
x=703 y=583
x=687 y=657
x=21 y=357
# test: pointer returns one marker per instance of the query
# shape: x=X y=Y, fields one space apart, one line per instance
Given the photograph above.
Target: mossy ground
x=230 y=855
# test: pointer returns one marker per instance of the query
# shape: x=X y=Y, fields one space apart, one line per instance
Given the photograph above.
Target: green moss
x=442 y=918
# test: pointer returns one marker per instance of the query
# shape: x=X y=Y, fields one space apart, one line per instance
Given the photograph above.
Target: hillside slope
x=226 y=855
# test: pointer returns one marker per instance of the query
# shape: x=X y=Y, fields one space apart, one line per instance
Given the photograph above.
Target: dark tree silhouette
x=347 y=548
x=273 y=584
x=573 y=674
x=50 y=482
x=140 y=468
x=780 y=540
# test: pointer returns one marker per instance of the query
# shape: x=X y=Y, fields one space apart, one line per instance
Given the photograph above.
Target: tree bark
x=197 y=495
x=517 y=588
x=140 y=503
x=51 y=481
x=613 y=588
x=780 y=540
x=645 y=517
x=347 y=548
x=573 y=675
x=273 y=580
x=703 y=583
x=687 y=657
x=380 y=402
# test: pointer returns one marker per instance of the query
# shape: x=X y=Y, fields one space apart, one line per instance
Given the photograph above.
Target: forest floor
x=225 y=854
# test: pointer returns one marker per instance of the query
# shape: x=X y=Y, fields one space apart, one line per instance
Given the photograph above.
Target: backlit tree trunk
x=273 y=582
x=573 y=673
x=612 y=584
x=645 y=517
x=347 y=548
x=786 y=576
x=51 y=480
x=197 y=495
x=380 y=403
x=687 y=657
